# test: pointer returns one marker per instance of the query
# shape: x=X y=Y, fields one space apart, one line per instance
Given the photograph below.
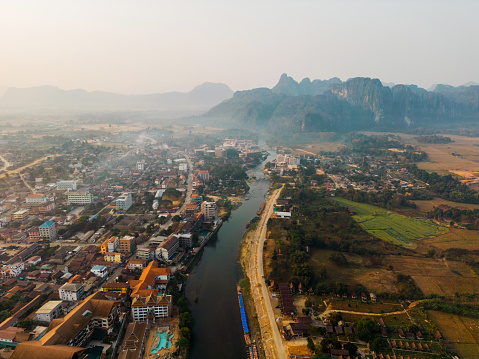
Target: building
x=209 y=211
x=151 y=307
x=67 y=337
x=70 y=185
x=286 y=215
x=71 y=292
x=167 y=248
x=145 y=252
x=113 y=257
x=183 y=167
x=136 y=263
x=127 y=244
x=133 y=345
x=48 y=231
x=140 y=166
x=12 y=270
x=49 y=311
x=99 y=271
x=124 y=202
x=110 y=245
x=203 y=175
x=152 y=281
x=119 y=287
x=82 y=196
x=36 y=198
x=20 y=215
x=220 y=152
x=33 y=234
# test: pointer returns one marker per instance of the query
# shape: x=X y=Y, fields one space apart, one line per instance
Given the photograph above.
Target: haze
x=136 y=47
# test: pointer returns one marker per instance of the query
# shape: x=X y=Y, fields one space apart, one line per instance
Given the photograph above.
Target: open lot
x=455 y=238
x=390 y=226
x=441 y=158
x=462 y=332
x=436 y=276
x=428 y=205
x=356 y=272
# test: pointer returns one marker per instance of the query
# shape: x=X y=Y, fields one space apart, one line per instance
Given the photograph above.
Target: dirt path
x=20 y=169
x=329 y=311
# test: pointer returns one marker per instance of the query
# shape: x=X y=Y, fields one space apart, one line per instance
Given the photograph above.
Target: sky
x=143 y=46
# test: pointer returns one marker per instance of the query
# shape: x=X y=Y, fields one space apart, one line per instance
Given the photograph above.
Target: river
x=218 y=332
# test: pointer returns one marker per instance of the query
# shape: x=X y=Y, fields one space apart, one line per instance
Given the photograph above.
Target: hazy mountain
x=288 y=86
x=202 y=97
x=357 y=104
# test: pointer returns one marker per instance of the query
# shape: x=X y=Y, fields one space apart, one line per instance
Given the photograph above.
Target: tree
x=367 y=329
x=353 y=348
x=176 y=218
x=320 y=356
x=311 y=345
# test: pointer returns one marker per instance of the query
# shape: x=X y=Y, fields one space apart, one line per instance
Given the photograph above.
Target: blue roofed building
x=48 y=231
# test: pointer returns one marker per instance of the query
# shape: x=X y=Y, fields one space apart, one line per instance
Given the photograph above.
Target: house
x=12 y=270
x=152 y=281
x=113 y=257
x=136 y=263
x=116 y=287
x=110 y=245
x=284 y=215
x=71 y=292
x=99 y=271
x=373 y=297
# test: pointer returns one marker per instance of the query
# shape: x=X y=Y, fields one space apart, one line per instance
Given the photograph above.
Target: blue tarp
x=243 y=314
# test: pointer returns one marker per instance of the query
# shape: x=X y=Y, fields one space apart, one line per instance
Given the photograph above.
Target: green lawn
x=390 y=226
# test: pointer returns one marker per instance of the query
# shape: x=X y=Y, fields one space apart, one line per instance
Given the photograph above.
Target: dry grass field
x=441 y=159
x=428 y=205
x=455 y=238
x=373 y=279
x=462 y=332
x=436 y=276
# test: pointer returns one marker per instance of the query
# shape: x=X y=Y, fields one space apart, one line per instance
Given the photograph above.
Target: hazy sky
x=142 y=46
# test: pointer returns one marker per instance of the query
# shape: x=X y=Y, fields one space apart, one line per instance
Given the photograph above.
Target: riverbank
x=251 y=314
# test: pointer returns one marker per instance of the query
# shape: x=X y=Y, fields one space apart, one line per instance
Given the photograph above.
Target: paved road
x=260 y=236
x=6 y=163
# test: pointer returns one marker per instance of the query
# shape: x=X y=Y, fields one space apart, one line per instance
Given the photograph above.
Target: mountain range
x=202 y=97
x=356 y=104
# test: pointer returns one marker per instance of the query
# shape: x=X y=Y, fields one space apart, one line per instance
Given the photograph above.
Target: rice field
x=390 y=226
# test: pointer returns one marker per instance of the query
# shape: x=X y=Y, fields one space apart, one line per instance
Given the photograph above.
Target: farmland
x=390 y=226
x=435 y=276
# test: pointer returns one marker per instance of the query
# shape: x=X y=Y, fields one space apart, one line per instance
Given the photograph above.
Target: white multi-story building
x=48 y=231
x=71 y=292
x=209 y=211
x=183 y=167
x=36 y=198
x=82 y=196
x=12 y=270
x=99 y=271
x=71 y=185
x=168 y=247
x=124 y=202
x=140 y=166
x=288 y=160
x=49 y=311
x=151 y=307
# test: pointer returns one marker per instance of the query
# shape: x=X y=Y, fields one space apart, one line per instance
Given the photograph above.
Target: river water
x=218 y=332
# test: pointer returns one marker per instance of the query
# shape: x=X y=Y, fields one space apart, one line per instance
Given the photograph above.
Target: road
x=257 y=280
x=20 y=169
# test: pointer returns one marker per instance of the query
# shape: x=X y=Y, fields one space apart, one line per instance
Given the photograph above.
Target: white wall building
x=82 y=196
x=49 y=311
x=124 y=202
x=36 y=198
x=167 y=248
x=12 y=270
x=71 y=292
x=100 y=271
x=48 y=231
x=71 y=185
x=140 y=166
x=153 y=306
x=209 y=211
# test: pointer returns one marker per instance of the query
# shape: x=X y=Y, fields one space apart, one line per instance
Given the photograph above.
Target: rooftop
x=47 y=224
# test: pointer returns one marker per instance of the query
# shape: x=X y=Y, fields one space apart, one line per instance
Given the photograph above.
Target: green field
x=390 y=226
